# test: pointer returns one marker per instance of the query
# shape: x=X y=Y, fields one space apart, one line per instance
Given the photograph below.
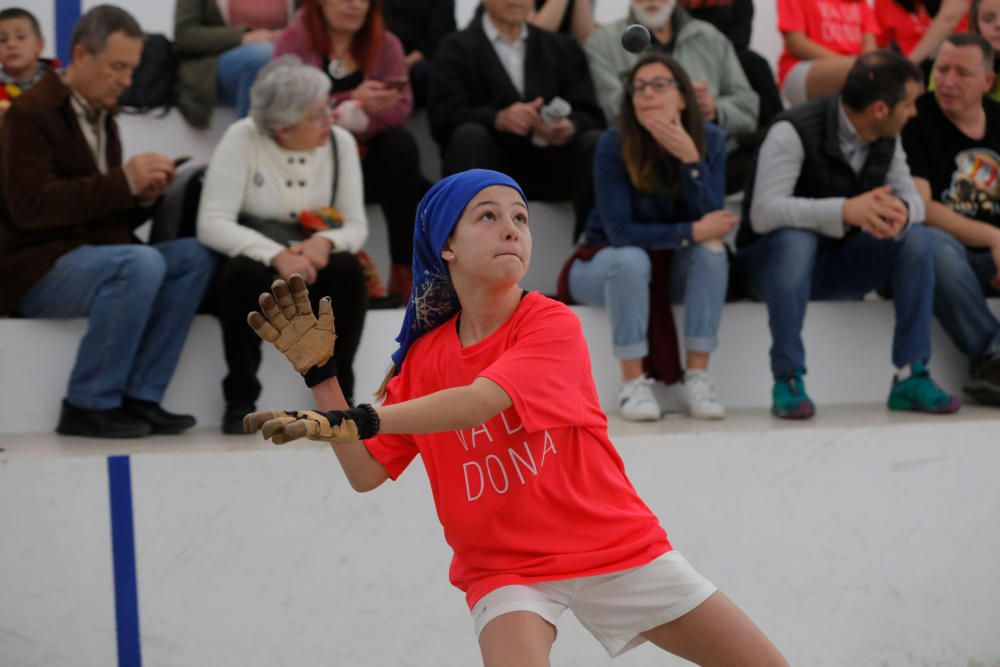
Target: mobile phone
x=398 y=83
x=181 y=160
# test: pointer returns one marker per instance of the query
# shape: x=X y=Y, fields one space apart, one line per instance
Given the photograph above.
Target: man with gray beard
x=724 y=95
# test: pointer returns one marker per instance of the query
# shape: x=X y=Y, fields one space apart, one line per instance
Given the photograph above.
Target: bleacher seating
x=848 y=347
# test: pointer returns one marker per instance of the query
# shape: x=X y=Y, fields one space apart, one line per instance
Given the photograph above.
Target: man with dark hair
x=953 y=146
x=831 y=212
x=491 y=105
x=67 y=210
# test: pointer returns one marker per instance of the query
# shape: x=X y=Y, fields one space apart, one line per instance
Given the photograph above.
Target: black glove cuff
x=318 y=374
x=369 y=422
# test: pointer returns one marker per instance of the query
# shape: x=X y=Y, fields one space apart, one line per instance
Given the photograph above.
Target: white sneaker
x=637 y=401
x=699 y=392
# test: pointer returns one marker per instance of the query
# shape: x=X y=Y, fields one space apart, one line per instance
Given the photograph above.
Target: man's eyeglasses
x=660 y=84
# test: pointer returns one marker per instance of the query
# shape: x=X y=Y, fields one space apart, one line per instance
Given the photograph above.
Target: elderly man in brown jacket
x=66 y=244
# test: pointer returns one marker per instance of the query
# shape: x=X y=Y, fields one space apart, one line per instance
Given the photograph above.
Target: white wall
x=850 y=547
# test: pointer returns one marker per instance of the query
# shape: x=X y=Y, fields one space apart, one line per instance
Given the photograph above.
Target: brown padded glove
x=280 y=426
x=289 y=324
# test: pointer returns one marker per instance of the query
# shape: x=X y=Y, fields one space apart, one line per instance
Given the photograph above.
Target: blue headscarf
x=433 y=300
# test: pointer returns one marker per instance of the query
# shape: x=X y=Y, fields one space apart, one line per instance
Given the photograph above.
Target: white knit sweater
x=250 y=173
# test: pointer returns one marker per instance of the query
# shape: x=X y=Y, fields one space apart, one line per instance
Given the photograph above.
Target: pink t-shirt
x=836 y=24
x=537 y=493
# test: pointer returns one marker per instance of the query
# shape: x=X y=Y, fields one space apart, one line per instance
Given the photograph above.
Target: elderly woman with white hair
x=283 y=195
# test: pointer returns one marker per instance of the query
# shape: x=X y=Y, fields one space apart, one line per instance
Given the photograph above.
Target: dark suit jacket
x=420 y=24
x=53 y=199
x=468 y=83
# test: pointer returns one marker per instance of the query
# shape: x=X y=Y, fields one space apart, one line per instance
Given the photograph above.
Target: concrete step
x=848 y=346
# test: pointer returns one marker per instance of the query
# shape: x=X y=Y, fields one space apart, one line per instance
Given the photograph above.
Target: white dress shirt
x=94 y=131
x=511 y=55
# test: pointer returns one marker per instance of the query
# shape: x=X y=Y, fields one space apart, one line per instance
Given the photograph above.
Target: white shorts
x=616 y=608
x=794 y=87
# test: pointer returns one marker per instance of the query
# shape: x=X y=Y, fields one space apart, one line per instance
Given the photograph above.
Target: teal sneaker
x=919 y=393
x=789 y=399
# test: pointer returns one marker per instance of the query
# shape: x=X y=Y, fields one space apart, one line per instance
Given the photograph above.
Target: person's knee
x=241 y=274
x=712 y=260
x=917 y=244
x=471 y=137
x=786 y=266
x=630 y=266
x=258 y=55
x=398 y=142
x=193 y=256
x=393 y=158
x=471 y=132
x=142 y=267
x=949 y=254
x=344 y=275
x=792 y=250
x=470 y=146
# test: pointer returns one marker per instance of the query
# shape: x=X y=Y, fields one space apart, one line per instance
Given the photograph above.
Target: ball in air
x=636 y=38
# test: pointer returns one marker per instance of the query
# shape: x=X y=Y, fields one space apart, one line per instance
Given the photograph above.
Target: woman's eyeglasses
x=660 y=84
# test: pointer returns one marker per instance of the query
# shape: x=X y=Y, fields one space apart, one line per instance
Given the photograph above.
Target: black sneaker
x=114 y=423
x=161 y=421
x=232 y=418
x=984 y=386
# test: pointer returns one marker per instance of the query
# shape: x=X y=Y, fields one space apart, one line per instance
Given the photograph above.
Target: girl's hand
x=714 y=225
x=672 y=136
x=289 y=324
x=280 y=426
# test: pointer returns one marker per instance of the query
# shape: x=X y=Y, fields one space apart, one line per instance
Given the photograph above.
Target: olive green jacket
x=200 y=37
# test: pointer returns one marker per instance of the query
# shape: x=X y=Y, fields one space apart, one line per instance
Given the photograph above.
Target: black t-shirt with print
x=964 y=173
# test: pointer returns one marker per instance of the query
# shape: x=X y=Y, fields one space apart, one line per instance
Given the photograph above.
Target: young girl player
x=492 y=386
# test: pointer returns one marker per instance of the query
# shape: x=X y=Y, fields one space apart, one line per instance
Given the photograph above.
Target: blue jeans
x=618 y=278
x=788 y=267
x=962 y=283
x=140 y=301
x=236 y=71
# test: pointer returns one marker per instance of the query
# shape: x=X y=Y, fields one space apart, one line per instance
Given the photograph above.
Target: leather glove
x=280 y=426
x=289 y=324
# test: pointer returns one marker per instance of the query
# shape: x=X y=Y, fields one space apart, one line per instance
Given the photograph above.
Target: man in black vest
x=953 y=146
x=832 y=213
x=490 y=87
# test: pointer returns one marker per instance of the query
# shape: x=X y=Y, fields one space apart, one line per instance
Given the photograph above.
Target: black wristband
x=318 y=374
x=364 y=417
x=373 y=422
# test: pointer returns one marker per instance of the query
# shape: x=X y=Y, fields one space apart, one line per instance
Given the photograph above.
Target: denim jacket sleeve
x=702 y=184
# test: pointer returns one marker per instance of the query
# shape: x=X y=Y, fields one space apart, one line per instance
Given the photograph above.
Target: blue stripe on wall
x=123 y=552
x=67 y=14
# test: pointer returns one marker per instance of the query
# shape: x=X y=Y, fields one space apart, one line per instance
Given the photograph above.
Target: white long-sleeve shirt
x=251 y=174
